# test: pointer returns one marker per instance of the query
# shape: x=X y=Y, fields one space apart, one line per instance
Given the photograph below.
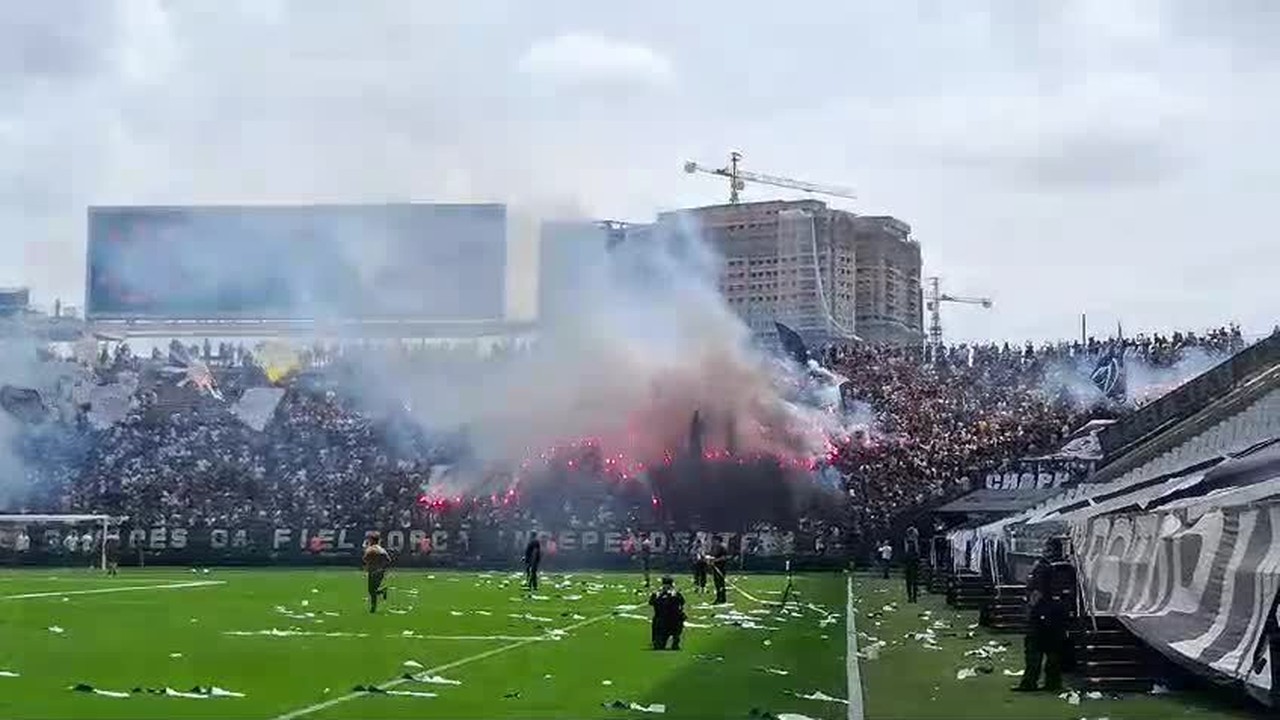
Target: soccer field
x=297 y=643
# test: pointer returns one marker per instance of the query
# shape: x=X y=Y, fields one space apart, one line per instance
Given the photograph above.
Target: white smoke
x=1144 y=382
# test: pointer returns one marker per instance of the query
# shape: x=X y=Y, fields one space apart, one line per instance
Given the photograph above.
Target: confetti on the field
x=84 y=688
x=273 y=632
x=175 y=655
x=775 y=671
x=527 y=616
x=606 y=682
x=56 y=630
x=9 y=674
x=414 y=664
x=792 y=716
x=434 y=679
x=819 y=695
x=655 y=708
x=572 y=597
x=966 y=673
x=1072 y=697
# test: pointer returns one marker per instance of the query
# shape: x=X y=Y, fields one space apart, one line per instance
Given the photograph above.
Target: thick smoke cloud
x=1145 y=382
x=650 y=341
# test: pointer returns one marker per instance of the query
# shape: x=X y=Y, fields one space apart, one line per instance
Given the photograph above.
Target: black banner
x=264 y=544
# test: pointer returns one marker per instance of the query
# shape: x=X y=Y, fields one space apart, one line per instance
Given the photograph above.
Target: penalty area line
x=302 y=712
x=127 y=588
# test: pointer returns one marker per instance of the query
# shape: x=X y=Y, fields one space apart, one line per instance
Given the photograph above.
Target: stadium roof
x=991 y=501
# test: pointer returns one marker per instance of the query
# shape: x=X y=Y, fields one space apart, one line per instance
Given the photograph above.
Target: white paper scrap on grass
x=56 y=630
x=111 y=693
x=409 y=693
x=435 y=680
x=775 y=671
x=793 y=716
x=966 y=673
x=413 y=664
x=819 y=695
x=655 y=708
x=170 y=692
x=9 y=673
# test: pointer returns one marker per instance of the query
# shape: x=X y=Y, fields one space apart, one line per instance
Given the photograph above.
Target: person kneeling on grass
x=668 y=615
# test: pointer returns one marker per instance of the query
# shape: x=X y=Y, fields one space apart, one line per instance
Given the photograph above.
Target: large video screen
x=420 y=261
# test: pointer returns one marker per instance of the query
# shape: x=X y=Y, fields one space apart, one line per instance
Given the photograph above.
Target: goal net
x=67 y=540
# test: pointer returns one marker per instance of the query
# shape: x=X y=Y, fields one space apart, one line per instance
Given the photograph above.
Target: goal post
x=101 y=523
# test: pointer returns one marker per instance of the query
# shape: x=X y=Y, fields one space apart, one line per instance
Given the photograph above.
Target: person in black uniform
x=911 y=564
x=698 y=555
x=718 y=563
x=668 y=615
x=1050 y=590
x=532 y=558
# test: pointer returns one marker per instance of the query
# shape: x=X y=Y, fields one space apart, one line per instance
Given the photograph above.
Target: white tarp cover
x=1195 y=585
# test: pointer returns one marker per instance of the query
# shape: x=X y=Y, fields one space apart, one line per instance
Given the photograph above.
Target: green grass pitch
x=169 y=628
x=479 y=630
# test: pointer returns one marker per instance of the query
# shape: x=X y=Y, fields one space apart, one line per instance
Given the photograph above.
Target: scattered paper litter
x=539 y=597
x=1013 y=673
x=216 y=691
x=655 y=708
x=434 y=679
x=175 y=655
x=626 y=608
x=1072 y=697
x=1093 y=695
x=767 y=643
x=606 y=682
x=413 y=664
x=396 y=611
x=304 y=603
x=56 y=630
x=792 y=716
x=775 y=671
x=170 y=692
x=455 y=613
x=819 y=695
x=105 y=693
x=572 y=597
x=9 y=673
x=966 y=673
x=410 y=693
x=1159 y=690
x=482 y=612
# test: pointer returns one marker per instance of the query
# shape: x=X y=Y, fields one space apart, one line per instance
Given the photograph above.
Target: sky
x=1109 y=157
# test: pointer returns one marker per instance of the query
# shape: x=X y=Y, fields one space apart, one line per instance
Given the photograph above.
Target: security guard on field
x=668 y=615
x=1050 y=598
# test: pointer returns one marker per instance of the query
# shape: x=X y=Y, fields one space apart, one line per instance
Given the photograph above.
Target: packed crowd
x=322 y=461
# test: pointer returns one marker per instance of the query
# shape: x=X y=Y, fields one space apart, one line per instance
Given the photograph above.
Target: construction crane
x=738 y=180
x=934 y=298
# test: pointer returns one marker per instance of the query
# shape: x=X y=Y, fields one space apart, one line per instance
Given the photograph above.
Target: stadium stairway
x=969 y=591
x=937 y=580
x=1006 y=612
x=1109 y=658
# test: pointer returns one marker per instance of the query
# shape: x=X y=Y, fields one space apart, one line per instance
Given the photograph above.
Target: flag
x=1108 y=375
x=25 y=404
x=792 y=344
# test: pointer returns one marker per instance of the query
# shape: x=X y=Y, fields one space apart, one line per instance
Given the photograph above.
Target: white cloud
x=576 y=59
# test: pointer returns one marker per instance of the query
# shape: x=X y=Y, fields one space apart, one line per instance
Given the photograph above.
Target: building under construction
x=829 y=274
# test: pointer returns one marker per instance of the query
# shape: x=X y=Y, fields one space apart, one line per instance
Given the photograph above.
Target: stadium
x=208 y=503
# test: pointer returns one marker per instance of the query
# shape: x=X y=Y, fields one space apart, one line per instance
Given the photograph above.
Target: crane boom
x=934 y=297
x=738 y=180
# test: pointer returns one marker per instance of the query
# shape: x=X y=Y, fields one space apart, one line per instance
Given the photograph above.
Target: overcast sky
x=1114 y=157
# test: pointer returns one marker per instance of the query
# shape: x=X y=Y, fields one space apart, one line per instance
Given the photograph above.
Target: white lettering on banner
x=281 y=536
x=326 y=538
x=395 y=540
x=178 y=538
x=659 y=542
x=613 y=542
x=680 y=540
x=464 y=539
x=137 y=536
x=590 y=538
x=157 y=541
x=217 y=538
x=304 y=538
x=567 y=541
x=343 y=543
x=415 y=540
x=440 y=541
x=240 y=538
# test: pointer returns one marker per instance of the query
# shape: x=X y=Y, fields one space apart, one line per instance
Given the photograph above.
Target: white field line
x=302 y=712
x=851 y=656
x=127 y=588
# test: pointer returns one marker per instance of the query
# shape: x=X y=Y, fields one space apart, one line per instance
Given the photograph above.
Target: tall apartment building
x=566 y=249
x=786 y=261
x=890 y=308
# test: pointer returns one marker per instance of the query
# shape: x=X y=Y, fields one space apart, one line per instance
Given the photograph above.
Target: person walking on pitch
x=376 y=561
x=532 y=559
x=718 y=562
